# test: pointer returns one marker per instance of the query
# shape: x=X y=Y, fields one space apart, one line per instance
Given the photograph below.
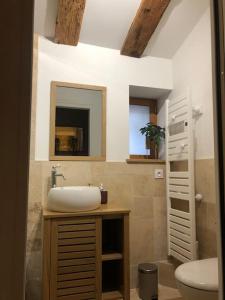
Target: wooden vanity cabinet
x=86 y=256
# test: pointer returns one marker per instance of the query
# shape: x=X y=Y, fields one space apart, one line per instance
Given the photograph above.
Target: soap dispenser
x=104 y=194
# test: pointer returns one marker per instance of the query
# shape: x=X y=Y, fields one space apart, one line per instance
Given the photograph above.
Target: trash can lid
x=147 y=268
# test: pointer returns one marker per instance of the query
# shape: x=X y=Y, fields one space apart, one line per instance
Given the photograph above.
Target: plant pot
x=147 y=142
x=152 y=146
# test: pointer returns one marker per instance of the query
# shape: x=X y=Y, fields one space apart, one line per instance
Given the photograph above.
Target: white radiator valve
x=182 y=146
x=197 y=111
x=174 y=118
x=198 y=197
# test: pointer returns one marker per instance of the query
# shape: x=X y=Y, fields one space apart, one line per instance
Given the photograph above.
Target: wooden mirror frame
x=52 y=156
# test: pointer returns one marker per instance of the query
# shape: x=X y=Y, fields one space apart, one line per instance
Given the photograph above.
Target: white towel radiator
x=181 y=220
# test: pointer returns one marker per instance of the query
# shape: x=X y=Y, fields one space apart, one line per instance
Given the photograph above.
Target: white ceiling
x=107 y=22
x=147 y=92
x=177 y=22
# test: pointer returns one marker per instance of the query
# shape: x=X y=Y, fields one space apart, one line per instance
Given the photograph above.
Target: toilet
x=198 y=280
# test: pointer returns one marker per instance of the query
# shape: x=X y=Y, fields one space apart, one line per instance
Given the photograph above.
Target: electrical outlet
x=159 y=174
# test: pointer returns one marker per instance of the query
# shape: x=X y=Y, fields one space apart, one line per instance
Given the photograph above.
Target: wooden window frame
x=152 y=104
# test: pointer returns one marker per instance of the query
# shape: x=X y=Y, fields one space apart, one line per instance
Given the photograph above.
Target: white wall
x=99 y=66
x=177 y=22
x=192 y=69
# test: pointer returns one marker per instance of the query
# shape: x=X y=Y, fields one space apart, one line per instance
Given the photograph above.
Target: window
x=141 y=112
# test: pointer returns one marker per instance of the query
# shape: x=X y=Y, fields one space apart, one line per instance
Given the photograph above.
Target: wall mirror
x=78 y=122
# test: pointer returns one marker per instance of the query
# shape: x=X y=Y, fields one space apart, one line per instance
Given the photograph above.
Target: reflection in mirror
x=77 y=122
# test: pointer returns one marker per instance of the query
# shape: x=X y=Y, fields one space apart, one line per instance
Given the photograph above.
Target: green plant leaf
x=154 y=132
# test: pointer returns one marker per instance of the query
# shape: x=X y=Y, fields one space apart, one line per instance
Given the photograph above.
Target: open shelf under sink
x=112 y=256
x=114 y=295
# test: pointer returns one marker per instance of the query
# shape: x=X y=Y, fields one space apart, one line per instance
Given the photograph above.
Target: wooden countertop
x=104 y=209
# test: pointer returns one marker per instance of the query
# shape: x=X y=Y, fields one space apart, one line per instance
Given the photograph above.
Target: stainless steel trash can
x=148 y=281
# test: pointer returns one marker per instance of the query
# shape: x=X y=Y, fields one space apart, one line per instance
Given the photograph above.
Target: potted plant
x=154 y=135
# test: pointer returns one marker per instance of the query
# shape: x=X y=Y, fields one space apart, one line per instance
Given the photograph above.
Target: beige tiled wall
x=206 y=211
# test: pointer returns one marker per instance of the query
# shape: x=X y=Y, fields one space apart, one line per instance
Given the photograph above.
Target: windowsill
x=145 y=161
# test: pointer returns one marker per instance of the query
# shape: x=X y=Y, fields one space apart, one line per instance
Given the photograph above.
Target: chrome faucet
x=54 y=174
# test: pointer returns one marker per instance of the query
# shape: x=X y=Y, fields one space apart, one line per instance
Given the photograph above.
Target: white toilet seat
x=200 y=274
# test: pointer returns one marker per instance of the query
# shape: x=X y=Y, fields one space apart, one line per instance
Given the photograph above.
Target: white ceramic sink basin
x=74 y=198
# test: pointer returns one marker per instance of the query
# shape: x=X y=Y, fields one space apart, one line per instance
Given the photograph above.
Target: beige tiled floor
x=165 y=293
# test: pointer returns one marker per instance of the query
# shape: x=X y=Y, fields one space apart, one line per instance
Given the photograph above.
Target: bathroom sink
x=74 y=198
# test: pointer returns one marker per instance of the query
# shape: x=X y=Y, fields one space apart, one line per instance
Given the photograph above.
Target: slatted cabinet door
x=74 y=259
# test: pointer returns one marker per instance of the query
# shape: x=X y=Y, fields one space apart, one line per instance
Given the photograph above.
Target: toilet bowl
x=198 y=280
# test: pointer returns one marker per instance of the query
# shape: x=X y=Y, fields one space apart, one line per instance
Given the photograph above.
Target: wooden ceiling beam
x=144 y=24
x=69 y=20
